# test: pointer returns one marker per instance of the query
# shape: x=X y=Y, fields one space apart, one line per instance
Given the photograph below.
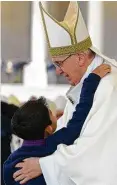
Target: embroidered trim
x=43 y=20
x=79 y=47
x=76 y=25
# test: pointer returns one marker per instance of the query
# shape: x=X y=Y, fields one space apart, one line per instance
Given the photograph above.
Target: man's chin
x=71 y=83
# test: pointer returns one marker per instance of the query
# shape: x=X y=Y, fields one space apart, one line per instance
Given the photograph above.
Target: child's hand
x=102 y=70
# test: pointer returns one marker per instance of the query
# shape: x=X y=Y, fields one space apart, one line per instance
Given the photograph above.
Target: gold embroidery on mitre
x=43 y=20
x=72 y=49
x=71 y=19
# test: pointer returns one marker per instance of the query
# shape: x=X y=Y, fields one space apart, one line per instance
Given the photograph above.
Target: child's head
x=33 y=120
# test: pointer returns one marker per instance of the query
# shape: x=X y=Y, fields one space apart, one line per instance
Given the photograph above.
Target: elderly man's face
x=70 y=67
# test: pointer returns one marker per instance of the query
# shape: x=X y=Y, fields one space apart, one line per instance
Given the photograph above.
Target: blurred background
x=26 y=68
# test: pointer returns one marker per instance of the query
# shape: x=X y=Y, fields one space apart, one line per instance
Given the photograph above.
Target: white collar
x=73 y=93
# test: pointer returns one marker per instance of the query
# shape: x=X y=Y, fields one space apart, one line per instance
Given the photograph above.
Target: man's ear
x=81 y=58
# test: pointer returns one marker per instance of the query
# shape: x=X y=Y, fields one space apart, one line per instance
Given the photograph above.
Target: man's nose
x=59 y=71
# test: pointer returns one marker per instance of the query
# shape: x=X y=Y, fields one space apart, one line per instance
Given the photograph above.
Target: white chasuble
x=92 y=159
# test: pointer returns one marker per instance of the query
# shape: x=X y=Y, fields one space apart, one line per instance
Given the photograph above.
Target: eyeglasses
x=60 y=63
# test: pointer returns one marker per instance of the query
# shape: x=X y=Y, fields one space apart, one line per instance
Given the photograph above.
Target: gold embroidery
x=41 y=9
x=81 y=46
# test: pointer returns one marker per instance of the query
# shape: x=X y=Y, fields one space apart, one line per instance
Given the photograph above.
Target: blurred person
x=34 y=122
x=12 y=99
x=4 y=98
x=75 y=57
x=7 y=111
x=16 y=141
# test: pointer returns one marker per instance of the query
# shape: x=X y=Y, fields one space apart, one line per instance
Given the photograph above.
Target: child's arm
x=63 y=135
x=68 y=134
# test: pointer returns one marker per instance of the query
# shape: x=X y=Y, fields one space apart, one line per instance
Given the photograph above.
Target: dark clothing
x=66 y=135
x=7 y=111
x=5 y=142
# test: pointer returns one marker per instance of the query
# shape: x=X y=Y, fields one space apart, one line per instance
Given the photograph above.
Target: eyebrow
x=61 y=60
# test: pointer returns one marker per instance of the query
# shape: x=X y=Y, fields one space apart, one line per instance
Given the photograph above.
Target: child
x=34 y=122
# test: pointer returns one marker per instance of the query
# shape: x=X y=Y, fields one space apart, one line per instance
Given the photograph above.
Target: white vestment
x=92 y=159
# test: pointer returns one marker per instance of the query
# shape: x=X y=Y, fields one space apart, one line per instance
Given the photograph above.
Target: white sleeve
x=62 y=122
x=48 y=169
x=95 y=148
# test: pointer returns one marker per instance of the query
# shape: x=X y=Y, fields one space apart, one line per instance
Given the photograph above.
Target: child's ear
x=48 y=130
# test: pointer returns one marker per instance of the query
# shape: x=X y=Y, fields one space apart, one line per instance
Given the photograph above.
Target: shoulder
x=110 y=80
x=108 y=84
x=14 y=158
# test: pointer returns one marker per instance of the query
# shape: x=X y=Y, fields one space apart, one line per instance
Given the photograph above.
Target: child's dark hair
x=31 y=119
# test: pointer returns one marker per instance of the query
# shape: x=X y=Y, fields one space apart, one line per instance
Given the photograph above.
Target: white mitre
x=70 y=35
x=72 y=29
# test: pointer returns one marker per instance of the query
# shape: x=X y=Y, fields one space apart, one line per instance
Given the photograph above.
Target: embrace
x=81 y=148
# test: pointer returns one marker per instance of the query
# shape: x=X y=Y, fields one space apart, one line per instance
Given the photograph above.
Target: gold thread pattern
x=76 y=26
x=43 y=20
x=79 y=47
